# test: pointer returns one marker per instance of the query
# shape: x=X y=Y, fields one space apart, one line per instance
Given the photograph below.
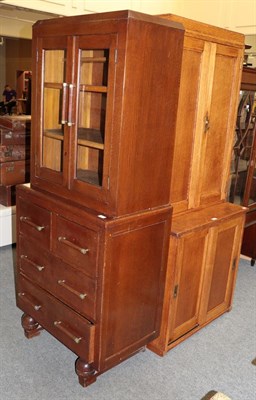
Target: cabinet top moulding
x=201 y=30
x=125 y=95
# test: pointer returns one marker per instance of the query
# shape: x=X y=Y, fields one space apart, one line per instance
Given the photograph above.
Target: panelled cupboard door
x=186 y=122
x=208 y=98
x=218 y=122
x=214 y=119
x=187 y=284
x=221 y=268
x=202 y=266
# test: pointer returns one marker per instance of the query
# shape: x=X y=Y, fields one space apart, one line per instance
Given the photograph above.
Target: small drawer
x=71 y=286
x=34 y=222
x=74 y=331
x=76 y=245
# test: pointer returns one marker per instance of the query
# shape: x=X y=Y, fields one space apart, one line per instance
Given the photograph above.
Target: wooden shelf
x=93 y=59
x=86 y=137
x=93 y=88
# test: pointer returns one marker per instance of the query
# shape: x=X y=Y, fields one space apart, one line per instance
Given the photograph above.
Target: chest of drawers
x=84 y=277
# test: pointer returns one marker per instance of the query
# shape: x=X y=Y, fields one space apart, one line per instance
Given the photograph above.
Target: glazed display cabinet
x=93 y=228
x=242 y=187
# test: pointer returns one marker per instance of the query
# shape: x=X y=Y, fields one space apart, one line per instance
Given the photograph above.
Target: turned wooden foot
x=30 y=326
x=86 y=373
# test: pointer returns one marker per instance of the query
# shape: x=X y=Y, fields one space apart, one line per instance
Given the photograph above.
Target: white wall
x=237 y=15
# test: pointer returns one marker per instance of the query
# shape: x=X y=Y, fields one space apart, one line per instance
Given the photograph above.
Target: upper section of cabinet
x=105 y=94
x=209 y=92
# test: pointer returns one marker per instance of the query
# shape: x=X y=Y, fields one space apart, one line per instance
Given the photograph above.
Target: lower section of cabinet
x=95 y=283
x=202 y=267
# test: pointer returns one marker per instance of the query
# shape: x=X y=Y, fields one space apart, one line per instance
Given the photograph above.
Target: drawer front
x=8 y=137
x=14 y=172
x=13 y=153
x=34 y=222
x=76 y=332
x=16 y=124
x=65 y=282
x=76 y=245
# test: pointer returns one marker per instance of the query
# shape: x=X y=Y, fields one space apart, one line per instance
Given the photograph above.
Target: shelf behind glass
x=86 y=137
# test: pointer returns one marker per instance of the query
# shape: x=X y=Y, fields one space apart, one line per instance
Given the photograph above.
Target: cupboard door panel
x=221 y=267
x=221 y=117
x=187 y=285
x=186 y=117
x=224 y=253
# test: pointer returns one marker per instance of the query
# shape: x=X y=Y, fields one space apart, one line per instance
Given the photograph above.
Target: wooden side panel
x=134 y=286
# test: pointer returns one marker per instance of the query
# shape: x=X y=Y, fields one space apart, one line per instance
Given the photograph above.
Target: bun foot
x=30 y=326
x=86 y=373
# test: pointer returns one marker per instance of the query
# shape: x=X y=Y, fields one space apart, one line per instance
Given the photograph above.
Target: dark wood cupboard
x=93 y=229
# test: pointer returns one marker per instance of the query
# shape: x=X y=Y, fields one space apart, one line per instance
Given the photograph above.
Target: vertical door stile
x=72 y=108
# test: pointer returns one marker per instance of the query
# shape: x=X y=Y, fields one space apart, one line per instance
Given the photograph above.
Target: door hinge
x=115 y=56
x=234 y=263
x=175 y=291
x=108 y=183
x=37 y=56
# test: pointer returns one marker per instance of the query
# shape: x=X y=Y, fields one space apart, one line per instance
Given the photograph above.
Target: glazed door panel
x=96 y=76
x=186 y=288
x=52 y=141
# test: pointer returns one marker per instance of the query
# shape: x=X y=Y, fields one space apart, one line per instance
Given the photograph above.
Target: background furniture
x=93 y=229
x=206 y=231
x=14 y=155
x=242 y=188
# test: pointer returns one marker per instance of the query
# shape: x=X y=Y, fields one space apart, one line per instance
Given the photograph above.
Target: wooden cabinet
x=84 y=277
x=242 y=185
x=210 y=81
x=203 y=257
x=105 y=106
x=93 y=228
x=206 y=231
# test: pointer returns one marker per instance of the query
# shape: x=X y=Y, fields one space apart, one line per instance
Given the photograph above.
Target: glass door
x=95 y=61
x=51 y=122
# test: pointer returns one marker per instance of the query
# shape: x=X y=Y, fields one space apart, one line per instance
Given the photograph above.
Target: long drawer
x=68 y=284
x=76 y=332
